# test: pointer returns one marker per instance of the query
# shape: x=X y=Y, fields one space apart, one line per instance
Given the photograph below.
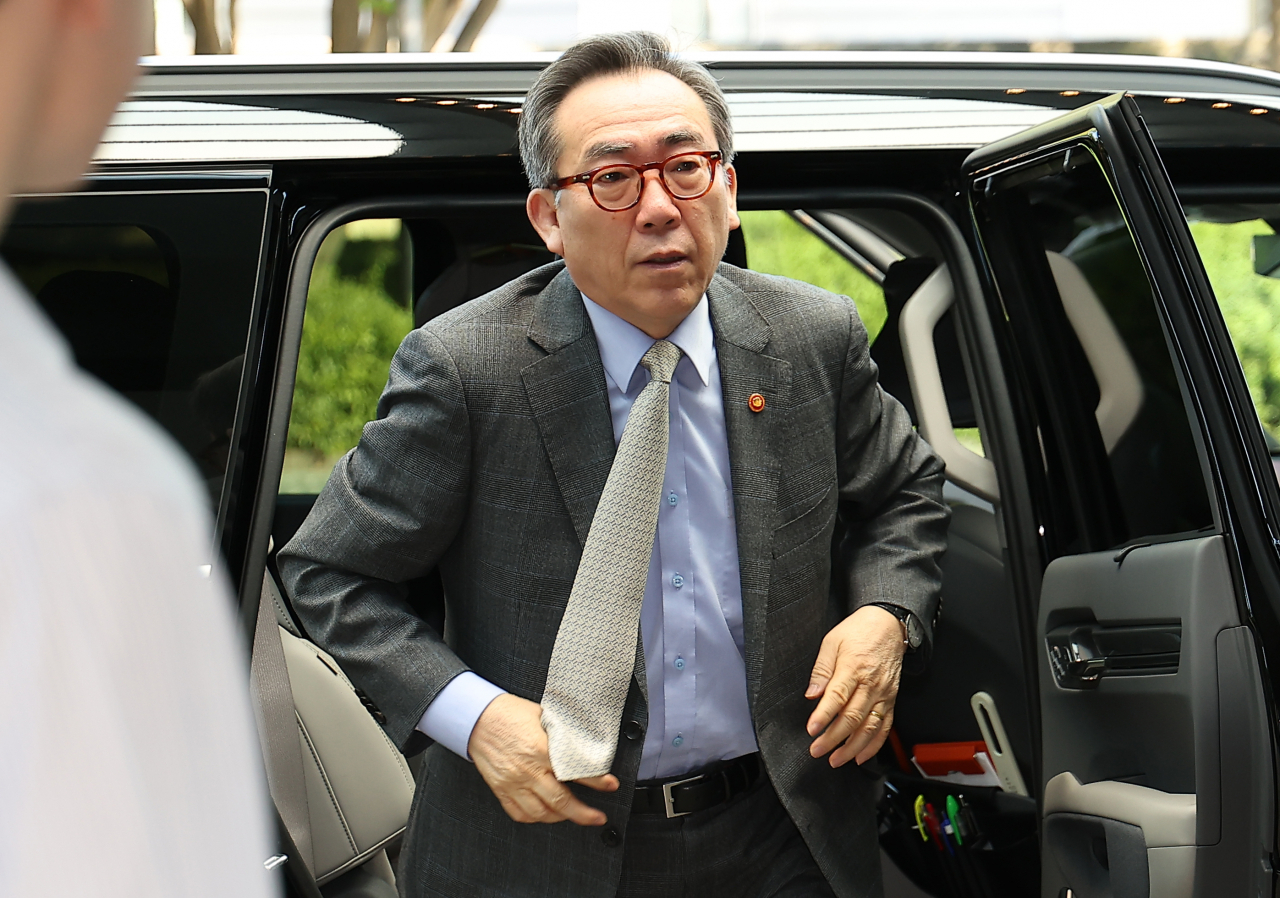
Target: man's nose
x=656 y=207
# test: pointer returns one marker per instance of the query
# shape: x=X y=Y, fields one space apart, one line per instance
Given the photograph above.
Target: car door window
x=154 y=293
x=375 y=279
x=357 y=314
x=1119 y=458
x=779 y=244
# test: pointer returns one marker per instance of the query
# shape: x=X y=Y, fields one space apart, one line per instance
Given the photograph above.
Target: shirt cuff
x=451 y=717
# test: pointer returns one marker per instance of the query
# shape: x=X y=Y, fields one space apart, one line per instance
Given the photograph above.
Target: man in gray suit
x=756 y=675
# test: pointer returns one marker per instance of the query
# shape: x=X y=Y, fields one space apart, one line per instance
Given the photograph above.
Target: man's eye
x=611 y=177
x=685 y=165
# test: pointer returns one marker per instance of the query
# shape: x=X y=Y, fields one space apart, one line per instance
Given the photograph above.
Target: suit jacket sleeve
x=389 y=511
x=891 y=507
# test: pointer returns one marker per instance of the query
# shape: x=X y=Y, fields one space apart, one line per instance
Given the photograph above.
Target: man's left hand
x=856 y=678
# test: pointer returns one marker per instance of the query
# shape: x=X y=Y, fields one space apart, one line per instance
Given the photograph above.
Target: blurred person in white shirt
x=128 y=763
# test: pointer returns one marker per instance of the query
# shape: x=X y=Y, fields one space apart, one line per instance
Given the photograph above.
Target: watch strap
x=904 y=619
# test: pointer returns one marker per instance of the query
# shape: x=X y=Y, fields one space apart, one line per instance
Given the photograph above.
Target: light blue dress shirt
x=691 y=619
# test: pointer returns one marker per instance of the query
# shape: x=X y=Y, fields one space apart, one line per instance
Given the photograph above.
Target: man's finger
x=565 y=805
x=873 y=727
x=836 y=693
x=878 y=742
x=822 y=669
x=529 y=805
x=847 y=721
x=606 y=783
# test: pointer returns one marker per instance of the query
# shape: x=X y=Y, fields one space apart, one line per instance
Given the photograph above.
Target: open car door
x=1119 y=487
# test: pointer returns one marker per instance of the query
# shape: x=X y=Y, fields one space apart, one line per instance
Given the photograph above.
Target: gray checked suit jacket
x=491 y=448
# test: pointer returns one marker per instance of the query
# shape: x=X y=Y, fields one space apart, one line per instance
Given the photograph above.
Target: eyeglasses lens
x=618 y=187
x=687 y=176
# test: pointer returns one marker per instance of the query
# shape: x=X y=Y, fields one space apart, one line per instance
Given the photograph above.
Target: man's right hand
x=509 y=747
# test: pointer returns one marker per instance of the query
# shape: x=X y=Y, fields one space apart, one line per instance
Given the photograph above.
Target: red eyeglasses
x=617 y=187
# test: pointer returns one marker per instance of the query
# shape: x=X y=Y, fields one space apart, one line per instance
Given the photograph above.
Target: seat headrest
x=477 y=272
x=901 y=281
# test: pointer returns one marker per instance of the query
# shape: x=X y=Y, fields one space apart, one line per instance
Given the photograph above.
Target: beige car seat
x=350 y=799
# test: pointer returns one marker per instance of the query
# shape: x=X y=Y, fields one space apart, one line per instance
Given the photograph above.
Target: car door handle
x=1081 y=654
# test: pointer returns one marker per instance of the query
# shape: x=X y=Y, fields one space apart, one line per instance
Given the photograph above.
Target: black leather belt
x=686 y=795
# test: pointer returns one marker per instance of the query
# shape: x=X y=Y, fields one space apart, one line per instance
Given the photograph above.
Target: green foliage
x=1250 y=305
x=778 y=244
x=351 y=331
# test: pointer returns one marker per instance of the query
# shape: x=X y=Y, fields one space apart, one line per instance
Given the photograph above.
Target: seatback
x=358 y=787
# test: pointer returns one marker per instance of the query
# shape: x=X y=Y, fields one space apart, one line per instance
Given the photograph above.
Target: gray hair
x=607 y=54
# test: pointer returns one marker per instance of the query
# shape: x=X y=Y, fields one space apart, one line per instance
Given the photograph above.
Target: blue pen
x=948 y=834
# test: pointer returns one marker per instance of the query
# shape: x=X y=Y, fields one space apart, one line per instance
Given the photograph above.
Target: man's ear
x=731 y=181
x=545 y=218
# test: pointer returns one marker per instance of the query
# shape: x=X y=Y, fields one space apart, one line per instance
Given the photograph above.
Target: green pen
x=953 y=812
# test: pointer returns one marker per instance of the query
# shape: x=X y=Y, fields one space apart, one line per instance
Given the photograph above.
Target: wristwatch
x=912 y=629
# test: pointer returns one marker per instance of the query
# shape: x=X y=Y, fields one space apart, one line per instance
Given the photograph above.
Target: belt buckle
x=669 y=801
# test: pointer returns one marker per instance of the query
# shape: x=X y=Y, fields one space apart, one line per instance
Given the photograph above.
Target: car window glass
x=373 y=281
x=357 y=314
x=1241 y=255
x=154 y=293
x=1101 y=387
x=778 y=244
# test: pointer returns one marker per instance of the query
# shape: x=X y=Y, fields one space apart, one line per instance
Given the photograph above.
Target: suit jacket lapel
x=570 y=401
x=742 y=334
x=566 y=391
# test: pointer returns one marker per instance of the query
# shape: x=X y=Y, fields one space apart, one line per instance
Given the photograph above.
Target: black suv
x=1066 y=264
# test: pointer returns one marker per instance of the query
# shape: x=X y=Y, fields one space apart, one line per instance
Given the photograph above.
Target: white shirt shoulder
x=128 y=762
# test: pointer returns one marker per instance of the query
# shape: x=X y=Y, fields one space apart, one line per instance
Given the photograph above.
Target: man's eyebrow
x=676 y=138
x=616 y=148
x=607 y=148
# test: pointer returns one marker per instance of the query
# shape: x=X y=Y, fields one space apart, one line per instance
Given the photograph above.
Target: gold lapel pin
x=755 y=402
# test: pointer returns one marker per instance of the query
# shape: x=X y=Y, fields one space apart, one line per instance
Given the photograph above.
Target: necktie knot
x=661 y=360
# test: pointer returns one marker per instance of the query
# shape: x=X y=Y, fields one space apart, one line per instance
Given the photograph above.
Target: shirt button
x=679 y=664
x=677 y=581
x=678 y=741
x=673 y=499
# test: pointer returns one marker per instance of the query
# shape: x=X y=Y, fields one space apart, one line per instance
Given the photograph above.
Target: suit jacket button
x=632 y=730
x=609 y=836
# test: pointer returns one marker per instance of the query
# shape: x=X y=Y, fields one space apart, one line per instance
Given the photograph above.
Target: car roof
x=224 y=109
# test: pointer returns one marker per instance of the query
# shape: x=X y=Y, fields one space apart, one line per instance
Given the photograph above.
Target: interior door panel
x=1145 y=746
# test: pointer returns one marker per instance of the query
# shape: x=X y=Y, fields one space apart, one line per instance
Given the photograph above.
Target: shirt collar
x=622 y=344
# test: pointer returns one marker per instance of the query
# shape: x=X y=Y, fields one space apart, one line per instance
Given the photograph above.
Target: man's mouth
x=664 y=260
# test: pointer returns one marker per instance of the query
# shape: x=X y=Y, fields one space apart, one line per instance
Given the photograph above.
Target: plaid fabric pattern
x=488 y=458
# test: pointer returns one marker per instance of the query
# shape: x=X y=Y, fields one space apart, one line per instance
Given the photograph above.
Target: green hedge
x=352 y=329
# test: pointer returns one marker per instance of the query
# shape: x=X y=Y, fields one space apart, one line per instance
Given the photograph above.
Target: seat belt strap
x=278 y=726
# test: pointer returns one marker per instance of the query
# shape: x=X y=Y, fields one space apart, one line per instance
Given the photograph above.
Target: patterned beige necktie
x=595 y=650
